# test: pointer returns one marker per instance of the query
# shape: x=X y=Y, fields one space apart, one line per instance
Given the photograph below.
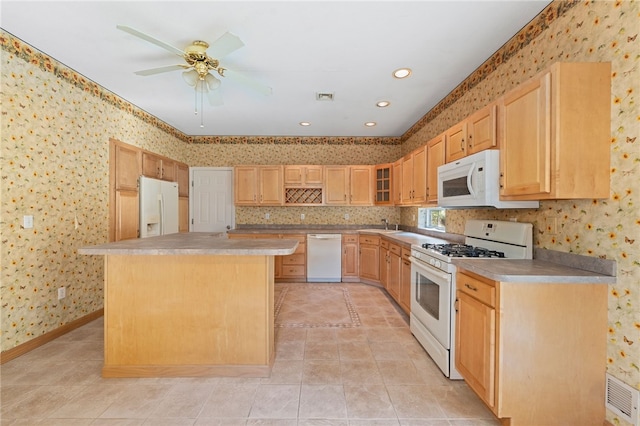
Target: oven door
x=431 y=300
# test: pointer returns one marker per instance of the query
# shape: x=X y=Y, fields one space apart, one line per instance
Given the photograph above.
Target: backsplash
x=53 y=160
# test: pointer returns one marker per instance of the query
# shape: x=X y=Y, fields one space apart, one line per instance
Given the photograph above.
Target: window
x=432 y=219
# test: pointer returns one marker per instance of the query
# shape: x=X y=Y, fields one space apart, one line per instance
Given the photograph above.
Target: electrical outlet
x=346 y=216
x=267 y=216
x=62 y=293
x=27 y=222
x=301 y=216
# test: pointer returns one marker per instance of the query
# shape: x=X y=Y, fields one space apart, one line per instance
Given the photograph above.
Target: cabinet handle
x=462 y=144
x=455 y=305
x=470 y=287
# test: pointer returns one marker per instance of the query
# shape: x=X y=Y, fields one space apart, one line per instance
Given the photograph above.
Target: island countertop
x=194 y=243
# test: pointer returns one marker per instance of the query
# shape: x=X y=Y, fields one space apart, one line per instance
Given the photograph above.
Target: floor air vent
x=622 y=400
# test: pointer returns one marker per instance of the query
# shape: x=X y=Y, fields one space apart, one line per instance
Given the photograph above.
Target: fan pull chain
x=195 y=97
x=202 y=104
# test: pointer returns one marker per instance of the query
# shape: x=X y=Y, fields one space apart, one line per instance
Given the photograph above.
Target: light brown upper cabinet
x=348 y=185
x=307 y=175
x=556 y=131
x=414 y=177
x=482 y=129
x=435 y=158
x=258 y=185
x=456 y=142
x=383 y=185
x=397 y=182
x=182 y=177
x=158 y=167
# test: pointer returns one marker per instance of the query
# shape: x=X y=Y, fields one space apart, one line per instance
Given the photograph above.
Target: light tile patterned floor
x=351 y=361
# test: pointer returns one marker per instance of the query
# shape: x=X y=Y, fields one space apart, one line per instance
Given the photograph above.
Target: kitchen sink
x=380 y=231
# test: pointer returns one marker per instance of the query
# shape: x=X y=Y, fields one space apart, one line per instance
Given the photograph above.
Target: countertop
x=531 y=271
x=194 y=243
x=402 y=237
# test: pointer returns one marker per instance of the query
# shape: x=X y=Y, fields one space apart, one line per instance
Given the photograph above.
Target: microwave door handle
x=469 y=179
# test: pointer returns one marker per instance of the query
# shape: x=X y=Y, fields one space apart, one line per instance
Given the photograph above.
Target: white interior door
x=212 y=208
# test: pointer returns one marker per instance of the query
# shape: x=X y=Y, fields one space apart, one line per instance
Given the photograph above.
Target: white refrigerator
x=158 y=207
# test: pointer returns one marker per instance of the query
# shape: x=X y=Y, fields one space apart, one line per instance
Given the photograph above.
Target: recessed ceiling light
x=402 y=73
x=305 y=123
x=370 y=123
x=383 y=104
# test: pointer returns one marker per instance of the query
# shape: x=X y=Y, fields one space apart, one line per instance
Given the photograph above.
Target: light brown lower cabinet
x=533 y=352
x=369 y=258
x=290 y=268
x=350 y=270
x=405 y=281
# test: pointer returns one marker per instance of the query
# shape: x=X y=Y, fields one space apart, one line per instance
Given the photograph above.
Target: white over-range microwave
x=474 y=181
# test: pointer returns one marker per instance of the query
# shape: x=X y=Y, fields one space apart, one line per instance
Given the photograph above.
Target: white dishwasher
x=324 y=257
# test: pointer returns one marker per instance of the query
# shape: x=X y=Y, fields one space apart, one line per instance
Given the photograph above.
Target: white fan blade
x=215 y=98
x=249 y=82
x=151 y=40
x=224 y=45
x=159 y=70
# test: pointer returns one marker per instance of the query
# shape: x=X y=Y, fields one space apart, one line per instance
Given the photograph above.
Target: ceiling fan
x=199 y=64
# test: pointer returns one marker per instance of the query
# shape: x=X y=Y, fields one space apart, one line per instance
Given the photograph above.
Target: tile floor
x=362 y=367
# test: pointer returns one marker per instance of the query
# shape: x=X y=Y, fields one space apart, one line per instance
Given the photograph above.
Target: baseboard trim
x=32 y=344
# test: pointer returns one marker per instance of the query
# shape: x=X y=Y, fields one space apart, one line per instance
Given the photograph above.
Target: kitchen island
x=188 y=305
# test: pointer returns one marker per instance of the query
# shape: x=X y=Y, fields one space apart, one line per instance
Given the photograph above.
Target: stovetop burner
x=462 y=250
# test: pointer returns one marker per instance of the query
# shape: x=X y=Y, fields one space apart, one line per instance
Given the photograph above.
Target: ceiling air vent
x=622 y=400
x=324 y=96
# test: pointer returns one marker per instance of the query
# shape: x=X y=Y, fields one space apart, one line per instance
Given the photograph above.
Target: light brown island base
x=189 y=305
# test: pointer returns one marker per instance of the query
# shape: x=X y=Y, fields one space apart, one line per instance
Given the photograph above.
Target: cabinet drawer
x=292 y=271
x=293 y=259
x=349 y=238
x=396 y=249
x=369 y=239
x=302 y=239
x=384 y=244
x=477 y=289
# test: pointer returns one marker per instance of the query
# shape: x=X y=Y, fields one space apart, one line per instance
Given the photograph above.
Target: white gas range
x=433 y=287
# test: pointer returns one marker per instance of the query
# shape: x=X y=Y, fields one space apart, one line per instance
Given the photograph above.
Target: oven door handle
x=429 y=270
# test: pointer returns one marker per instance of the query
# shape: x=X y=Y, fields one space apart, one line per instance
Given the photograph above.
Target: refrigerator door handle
x=161 y=205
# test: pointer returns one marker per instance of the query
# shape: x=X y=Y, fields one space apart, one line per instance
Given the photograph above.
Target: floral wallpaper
x=54 y=165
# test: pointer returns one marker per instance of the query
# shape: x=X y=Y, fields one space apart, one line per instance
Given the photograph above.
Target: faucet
x=386 y=224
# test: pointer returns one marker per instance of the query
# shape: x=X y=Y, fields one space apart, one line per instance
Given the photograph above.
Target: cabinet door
x=246 y=185
x=313 y=175
x=456 y=144
x=168 y=168
x=397 y=182
x=404 y=278
x=293 y=175
x=151 y=165
x=420 y=175
x=435 y=158
x=336 y=185
x=271 y=189
x=369 y=261
x=360 y=192
x=349 y=258
x=407 y=179
x=127 y=215
x=383 y=263
x=183 y=179
x=395 y=268
x=383 y=184
x=525 y=157
x=127 y=167
x=475 y=345
x=482 y=129
x=183 y=214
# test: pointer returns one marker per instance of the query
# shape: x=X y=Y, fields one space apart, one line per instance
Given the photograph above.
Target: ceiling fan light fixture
x=212 y=82
x=190 y=77
x=402 y=73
